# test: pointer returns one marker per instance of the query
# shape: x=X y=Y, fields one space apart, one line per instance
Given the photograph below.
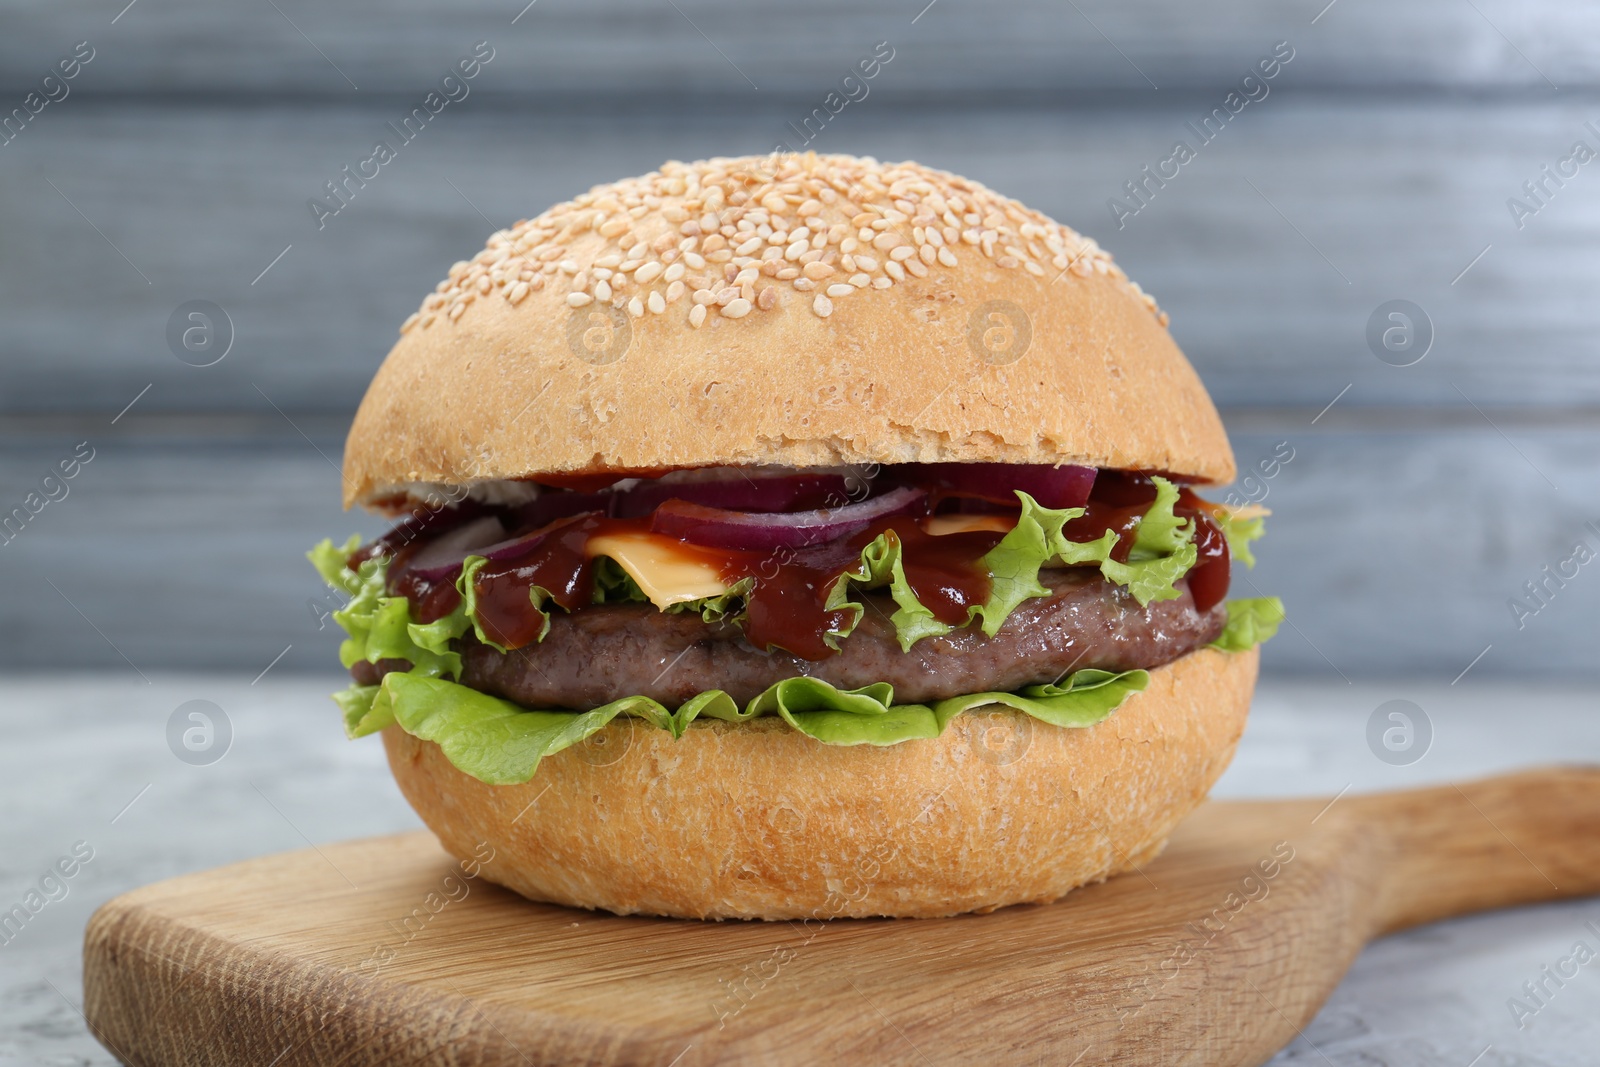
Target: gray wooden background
x=1377 y=168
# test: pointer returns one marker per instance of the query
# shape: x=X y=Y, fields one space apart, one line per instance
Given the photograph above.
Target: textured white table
x=86 y=759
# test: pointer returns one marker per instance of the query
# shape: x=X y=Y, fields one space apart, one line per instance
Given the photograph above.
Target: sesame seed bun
x=757 y=821
x=652 y=324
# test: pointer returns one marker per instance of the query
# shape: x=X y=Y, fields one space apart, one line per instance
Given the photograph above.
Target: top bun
x=799 y=311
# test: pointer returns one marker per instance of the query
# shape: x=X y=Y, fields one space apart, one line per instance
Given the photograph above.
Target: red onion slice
x=561 y=504
x=418 y=525
x=522 y=544
x=443 y=555
x=764 y=531
x=766 y=493
x=1054 y=487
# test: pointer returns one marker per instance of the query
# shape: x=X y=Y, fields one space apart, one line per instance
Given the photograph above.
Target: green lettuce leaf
x=382 y=627
x=881 y=567
x=1251 y=621
x=1239 y=533
x=724 y=607
x=501 y=743
x=1163 y=552
x=613 y=585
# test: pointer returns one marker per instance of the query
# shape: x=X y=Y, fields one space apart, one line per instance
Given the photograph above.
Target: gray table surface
x=86 y=759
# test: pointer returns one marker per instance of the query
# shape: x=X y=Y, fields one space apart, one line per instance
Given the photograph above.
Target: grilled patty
x=602 y=653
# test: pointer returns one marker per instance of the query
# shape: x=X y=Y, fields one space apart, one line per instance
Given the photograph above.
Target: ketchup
x=502 y=589
x=786 y=603
x=1117 y=502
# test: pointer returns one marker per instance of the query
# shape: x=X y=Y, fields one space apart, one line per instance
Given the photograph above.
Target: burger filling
x=860 y=605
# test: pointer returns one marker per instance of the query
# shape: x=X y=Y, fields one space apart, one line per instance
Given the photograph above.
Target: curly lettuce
x=1251 y=621
x=1163 y=551
x=502 y=743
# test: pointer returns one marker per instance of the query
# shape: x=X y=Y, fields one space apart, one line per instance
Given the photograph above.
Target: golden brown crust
x=756 y=820
x=919 y=358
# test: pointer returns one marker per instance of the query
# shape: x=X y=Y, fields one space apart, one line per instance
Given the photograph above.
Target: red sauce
x=786 y=607
x=1118 y=500
x=557 y=565
x=431 y=599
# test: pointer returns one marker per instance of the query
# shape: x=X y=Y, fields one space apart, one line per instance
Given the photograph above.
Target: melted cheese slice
x=663 y=569
x=940 y=525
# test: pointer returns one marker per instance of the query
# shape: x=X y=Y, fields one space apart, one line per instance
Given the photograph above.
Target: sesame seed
x=736 y=309
x=704 y=296
x=822 y=306
x=805 y=217
x=656 y=304
x=697 y=315
x=411 y=320
x=840 y=290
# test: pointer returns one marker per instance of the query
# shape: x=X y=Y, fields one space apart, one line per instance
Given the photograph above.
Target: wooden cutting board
x=386 y=951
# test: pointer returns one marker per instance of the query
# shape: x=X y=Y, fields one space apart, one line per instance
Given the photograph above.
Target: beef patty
x=601 y=653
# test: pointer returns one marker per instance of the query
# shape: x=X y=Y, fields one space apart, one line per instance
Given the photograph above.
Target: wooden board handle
x=1450 y=850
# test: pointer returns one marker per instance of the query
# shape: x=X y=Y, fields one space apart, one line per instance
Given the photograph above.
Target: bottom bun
x=755 y=820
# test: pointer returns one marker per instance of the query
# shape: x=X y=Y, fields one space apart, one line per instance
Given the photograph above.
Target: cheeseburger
x=793 y=537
